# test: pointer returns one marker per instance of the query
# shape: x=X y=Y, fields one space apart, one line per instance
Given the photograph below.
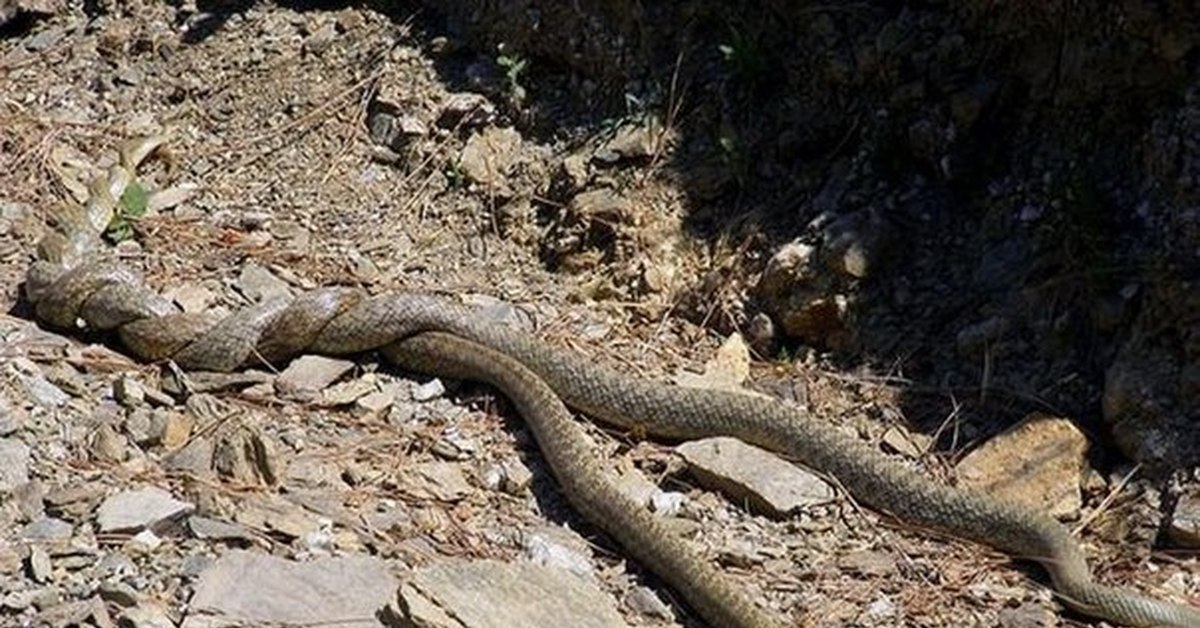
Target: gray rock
x=310 y=374
x=146 y=615
x=259 y=284
x=39 y=389
x=14 y=464
x=40 y=568
x=490 y=594
x=205 y=528
x=46 y=529
x=466 y=109
x=242 y=588
x=1184 y=527
x=139 y=509
x=645 y=601
x=755 y=476
x=428 y=391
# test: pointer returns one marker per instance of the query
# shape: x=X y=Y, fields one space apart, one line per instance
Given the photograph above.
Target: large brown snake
x=72 y=285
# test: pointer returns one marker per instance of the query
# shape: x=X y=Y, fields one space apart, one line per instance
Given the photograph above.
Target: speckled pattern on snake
x=437 y=336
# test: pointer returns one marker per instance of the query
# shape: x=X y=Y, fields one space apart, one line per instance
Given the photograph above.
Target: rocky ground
x=348 y=146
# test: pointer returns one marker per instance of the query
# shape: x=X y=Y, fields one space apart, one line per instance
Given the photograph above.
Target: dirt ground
x=332 y=146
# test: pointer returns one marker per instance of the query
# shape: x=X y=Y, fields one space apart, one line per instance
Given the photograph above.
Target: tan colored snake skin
x=432 y=334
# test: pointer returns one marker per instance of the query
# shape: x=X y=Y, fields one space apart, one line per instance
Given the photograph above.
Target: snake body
x=71 y=285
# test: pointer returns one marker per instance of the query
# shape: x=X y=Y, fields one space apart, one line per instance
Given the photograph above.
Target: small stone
x=374 y=405
x=38 y=387
x=146 y=614
x=754 y=476
x=488 y=156
x=428 y=391
x=346 y=393
x=251 y=589
x=556 y=548
x=260 y=284
x=1038 y=462
x=443 y=481
x=144 y=542
x=139 y=509
x=516 y=477
x=1184 y=527
x=14 y=464
x=629 y=142
x=108 y=445
x=190 y=297
x=118 y=593
x=46 y=530
x=309 y=375
x=904 y=442
x=667 y=503
x=39 y=564
x=645 y=601
x=213 y=529
x=129 y=392
x=467 y=110
x=170 y=429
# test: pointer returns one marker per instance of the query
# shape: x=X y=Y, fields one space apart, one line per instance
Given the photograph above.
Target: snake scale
x=72 y=284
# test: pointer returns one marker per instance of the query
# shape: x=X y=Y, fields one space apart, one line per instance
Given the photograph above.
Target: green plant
x=513 y=65
x=130 y=208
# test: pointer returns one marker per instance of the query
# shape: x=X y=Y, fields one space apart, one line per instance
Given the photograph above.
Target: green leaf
x=133 y=201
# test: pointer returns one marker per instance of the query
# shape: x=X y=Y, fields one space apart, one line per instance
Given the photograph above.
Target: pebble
x=429 y=390
x=255 y=589
x=139 y=509
x=492 y=593
x=748 y=474
x=309 y=374
x=1184 y=526
x=14 y=464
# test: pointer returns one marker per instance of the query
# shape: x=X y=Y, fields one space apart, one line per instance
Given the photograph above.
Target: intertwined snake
x=73 y=285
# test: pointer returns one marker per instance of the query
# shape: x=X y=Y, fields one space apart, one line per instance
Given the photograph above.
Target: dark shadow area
x=987 y=202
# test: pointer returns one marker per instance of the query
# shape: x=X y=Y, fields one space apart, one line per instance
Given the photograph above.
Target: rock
x=801 y=299
x=629 y=142
x=272 y=513
x=1184 y=528
x=46 y=530
x=259 y=284
x=755 y=476
x=727 y=370
x=667 y=503
x=118 y=592
x=488 y=156
x=39 y=389
x=645 y=601
x=14 y=464
x=428 y=391
x=905 y=442
x=213 y=529
x=243 y=588
x=867 y=563
x=310 y=374
x=374 y=405
x=146 y=614
x=170 y=429
x=443 y=481
x=556 y=547
x=139 y=509
x=190 y=297
x=39 y=564
x=466 y=110
x=491 y=594
x=1038 y=462
x=346 y=393
x=195 y=458
x=108 y=445
x=129 y=392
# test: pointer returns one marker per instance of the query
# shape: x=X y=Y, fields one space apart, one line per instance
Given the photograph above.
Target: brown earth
x=998 y=205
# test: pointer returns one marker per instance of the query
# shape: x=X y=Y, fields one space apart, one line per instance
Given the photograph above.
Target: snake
x=74 y=284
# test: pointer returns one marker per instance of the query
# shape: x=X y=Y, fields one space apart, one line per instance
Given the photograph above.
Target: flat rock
x=1184 y=528
x=139 y=509
x=1038 y=462
x=260 y=284
x=14 y=464
x=491 y=594
x=244 y=588
x=310 y=374
x=756 y=476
